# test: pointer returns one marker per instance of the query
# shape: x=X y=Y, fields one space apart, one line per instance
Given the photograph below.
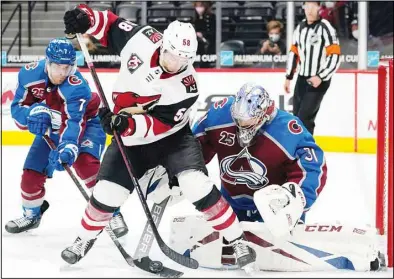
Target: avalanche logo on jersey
x=244 y=169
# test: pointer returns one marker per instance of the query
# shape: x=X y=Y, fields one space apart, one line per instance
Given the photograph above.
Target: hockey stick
x=141 y=255
x=176 y=257
x=115 y=240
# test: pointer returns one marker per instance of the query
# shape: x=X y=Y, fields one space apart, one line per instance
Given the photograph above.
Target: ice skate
x=379 y=263
x=77 y=251
x=31 y=219
x=245 y=256
x=118 y=225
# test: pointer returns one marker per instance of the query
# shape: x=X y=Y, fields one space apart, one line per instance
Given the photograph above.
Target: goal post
x=384 y=164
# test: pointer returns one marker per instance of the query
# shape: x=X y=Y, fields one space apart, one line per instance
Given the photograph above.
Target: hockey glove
x=38 y=119
x=122 y=123
x=76 y=21
x=65 y=153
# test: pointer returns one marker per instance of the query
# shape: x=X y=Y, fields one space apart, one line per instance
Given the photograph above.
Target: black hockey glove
x=110 y=121
x=76 y=21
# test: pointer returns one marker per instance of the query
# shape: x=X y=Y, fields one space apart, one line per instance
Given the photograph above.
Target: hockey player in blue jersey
x=271 y=173
x=52 y=95
x=262 y=151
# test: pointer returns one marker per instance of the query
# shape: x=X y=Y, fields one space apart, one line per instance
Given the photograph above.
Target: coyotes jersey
x=160 y=102
x=283 y=152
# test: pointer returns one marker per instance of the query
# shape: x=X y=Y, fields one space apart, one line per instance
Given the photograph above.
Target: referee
x=316 y=49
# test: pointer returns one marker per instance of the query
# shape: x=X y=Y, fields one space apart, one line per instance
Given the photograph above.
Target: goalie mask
x=251 y=109
x=179 y=46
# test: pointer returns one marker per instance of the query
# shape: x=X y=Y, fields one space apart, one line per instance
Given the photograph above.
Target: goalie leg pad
x=317 y=247
x=32 y=188
x=193 y=236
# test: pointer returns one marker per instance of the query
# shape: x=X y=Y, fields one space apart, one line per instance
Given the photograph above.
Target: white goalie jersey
x=159 y=101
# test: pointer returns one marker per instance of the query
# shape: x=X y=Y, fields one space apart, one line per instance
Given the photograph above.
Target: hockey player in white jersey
x=153 y=97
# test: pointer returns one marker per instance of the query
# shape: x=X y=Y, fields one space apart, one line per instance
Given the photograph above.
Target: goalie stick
x=113 y=237
x=173 y=255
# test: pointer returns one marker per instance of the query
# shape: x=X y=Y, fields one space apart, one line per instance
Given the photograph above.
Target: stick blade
x=176 y=257
x=157 y=268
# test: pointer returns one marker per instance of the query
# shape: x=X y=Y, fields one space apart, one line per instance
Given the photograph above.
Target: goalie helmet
x=251 y=108
x=179 y=46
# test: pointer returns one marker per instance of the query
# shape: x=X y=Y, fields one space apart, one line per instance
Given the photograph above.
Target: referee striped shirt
x=316 y=49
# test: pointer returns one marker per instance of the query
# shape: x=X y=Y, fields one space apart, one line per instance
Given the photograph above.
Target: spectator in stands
x=274 y=45
x=205 y=24
x=354 y=28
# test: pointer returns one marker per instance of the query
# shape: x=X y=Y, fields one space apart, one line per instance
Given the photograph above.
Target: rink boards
x=346 y=121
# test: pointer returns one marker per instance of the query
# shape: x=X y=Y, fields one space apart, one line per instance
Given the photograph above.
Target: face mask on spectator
x=329 y=4
x=200 y=10
x=355 y=34
x=274 y=37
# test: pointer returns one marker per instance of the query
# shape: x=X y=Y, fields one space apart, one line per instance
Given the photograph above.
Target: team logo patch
x=152 y=34
x=134 y=63
x=87 y=143
x=245 y=169
x=220 y=103
x=314 y=39
x=294 y=127
x=74 y=80
x=190 y=83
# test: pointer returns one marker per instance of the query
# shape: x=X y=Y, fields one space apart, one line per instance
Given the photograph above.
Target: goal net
x=384 y=194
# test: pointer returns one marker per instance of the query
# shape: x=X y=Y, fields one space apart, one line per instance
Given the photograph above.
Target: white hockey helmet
x=179 y=44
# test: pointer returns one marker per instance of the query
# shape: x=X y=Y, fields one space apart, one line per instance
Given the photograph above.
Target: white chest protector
x=140 y=74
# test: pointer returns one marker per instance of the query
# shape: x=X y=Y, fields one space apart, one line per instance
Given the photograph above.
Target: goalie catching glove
x=280 y=207
x=122 y=122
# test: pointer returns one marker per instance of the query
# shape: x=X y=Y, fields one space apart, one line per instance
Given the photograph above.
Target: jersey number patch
x=31 y=66
x=227 y=138
x=126 y=25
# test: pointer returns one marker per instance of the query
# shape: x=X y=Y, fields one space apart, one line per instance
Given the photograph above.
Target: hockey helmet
x=251 y=108
x=60 y=56
x=179 y=45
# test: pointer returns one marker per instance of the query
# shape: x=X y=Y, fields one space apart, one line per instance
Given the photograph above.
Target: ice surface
x=349 y=197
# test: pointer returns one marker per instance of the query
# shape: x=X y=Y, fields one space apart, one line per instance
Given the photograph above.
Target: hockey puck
x=156 y=266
